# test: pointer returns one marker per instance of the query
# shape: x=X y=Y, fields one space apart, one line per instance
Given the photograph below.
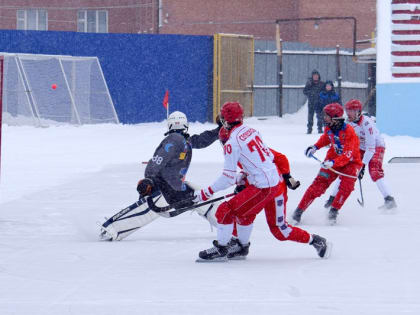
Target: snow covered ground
x=57 y=182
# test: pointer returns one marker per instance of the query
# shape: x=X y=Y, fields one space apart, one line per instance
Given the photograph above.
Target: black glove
x=290 y=181
x=145 y=187
x=239 y=188
x=361 y=172
x=218 y=121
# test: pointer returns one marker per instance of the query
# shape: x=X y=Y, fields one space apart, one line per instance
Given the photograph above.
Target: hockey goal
x=44 y=90
x=1 y=98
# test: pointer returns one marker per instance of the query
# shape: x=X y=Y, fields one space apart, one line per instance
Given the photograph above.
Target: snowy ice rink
x=57 y=182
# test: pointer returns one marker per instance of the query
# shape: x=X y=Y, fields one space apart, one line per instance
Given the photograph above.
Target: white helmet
x=177 y=121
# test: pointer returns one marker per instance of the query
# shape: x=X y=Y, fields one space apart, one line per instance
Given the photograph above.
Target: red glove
x=203 y=194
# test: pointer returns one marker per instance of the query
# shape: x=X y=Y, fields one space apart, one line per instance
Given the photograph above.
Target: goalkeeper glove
x=145 y=187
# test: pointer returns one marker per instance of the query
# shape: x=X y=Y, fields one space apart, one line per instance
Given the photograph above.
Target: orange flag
x=166 y=99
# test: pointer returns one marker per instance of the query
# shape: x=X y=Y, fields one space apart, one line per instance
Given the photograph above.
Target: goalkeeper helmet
x=177 y=121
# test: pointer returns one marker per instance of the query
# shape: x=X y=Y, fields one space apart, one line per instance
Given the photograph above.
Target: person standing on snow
x=342 y=156
x=372 y=150
x=166 y=170
x=246 y=147
x=313 y=87
x=275 y=213
x=164 y=175
x=328 y=95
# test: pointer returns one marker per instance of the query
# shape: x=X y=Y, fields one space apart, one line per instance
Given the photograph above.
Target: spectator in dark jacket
x=328 y=95
x=313 y=87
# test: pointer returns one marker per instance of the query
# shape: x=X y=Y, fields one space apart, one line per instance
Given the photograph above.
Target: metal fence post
x=338 y=70
x=279 y=70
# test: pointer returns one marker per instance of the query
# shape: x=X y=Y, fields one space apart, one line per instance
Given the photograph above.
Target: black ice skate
x=389 y=203
x=297 y=216
x=236 y=250
x=329 y=202
x=217 y=253
x=332 y=216
x=323 y=248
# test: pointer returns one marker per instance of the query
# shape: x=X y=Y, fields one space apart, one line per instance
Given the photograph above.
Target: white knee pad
x=208 y=212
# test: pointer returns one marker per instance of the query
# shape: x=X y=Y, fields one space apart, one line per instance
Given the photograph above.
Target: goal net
x=1 y=98
x=45 y=90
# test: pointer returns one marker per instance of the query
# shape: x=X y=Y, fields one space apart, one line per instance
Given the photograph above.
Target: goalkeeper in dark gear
x=164 y=176
x=166 y=170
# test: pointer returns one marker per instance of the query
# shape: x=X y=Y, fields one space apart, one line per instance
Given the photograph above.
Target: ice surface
x=57 y=182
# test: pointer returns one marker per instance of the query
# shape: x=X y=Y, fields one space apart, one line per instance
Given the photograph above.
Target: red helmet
x=354 y=104
x=232 y=112
x=224 y=135
x=334 y=110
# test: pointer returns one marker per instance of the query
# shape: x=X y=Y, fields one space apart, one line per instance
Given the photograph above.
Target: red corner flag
x=166 y=100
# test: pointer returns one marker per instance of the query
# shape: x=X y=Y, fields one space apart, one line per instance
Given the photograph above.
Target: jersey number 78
x=257 y=144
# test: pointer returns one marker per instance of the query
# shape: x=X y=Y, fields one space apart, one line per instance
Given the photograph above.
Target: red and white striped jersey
x=245 y=146
x=369 y=137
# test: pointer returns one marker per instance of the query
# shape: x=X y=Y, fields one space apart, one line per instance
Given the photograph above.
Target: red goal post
x=1 y=100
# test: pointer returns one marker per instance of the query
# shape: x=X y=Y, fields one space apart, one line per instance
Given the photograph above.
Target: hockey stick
x=333 y=170
x=164 y=211
x=362 y=203
x=158 y=209
x=128 y=209
x=167 y=214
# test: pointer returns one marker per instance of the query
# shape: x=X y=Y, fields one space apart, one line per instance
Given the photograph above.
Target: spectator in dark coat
x=313 y=87
x=328 y=95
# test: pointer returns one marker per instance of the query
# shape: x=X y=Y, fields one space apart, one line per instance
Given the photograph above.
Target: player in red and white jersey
x=244 y=146
x=342 y=161
x=372 y=150
x=275 y=213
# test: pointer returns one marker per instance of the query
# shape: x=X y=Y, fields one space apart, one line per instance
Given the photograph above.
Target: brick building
x=101 y=16
x=197 y=17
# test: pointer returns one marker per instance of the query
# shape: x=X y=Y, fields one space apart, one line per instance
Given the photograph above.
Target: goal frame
x=31 y=91
x=29 y=101
x=1 y=102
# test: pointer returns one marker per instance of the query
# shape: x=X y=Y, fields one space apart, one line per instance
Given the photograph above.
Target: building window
x=92 y=21
x=32 y=19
